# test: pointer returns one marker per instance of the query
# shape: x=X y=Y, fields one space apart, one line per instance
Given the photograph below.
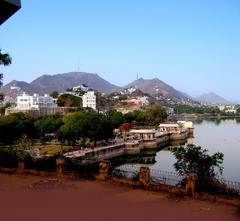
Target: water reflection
x=217 y=121
x=238 y=120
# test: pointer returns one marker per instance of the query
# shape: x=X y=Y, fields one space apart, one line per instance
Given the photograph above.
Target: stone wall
x=145 y=183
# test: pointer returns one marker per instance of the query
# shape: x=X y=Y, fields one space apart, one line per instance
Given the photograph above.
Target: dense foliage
x=149 y=117
x=76 y=127
x=68 y=100
x=195 y=159
x=48 y=125
x=14 y=126
x=186 y=109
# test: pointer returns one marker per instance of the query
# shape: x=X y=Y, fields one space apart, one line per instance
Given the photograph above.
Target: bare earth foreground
x=26 y=198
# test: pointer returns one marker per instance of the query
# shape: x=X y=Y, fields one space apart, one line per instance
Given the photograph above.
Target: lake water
x=214 y=135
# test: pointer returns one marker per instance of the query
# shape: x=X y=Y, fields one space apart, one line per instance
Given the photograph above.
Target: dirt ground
x=26 y=198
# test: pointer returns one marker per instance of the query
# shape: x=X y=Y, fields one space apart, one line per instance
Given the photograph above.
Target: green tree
x=156 y=114
x=238 y=109
x=75 y=128
x=195 y=159
x=48 y=125
x=129 y=117
x=100 y=128
x=54 y=94
x=69 y=100
x=140 y=117
x=5 y=60
x=116 y=118
x=14 y=126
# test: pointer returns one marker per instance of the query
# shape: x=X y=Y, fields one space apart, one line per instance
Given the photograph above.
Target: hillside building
x=27 y=102
x=89 y=100
x=81 y=87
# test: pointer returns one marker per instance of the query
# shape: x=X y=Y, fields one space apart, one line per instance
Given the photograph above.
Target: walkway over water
x=97 y=154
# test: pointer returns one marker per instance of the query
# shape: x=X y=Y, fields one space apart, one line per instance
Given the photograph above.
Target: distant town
x=140 y=95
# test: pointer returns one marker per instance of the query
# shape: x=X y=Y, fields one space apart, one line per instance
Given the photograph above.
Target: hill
x=212 y=98
x=156 y=87
x=59 y=82
x=46 y=84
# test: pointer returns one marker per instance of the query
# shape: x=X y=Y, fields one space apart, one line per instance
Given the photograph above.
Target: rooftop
x=8 y=8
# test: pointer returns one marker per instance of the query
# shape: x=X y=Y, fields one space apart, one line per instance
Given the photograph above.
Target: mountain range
x=60 y=82
x=46 y=84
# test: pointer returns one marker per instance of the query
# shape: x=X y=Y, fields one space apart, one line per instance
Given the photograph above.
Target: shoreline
x=194 y=117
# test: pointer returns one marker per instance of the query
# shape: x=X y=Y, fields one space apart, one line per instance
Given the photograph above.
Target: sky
x=192 y=45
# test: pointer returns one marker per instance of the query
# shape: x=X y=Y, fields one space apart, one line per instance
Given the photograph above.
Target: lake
x=214 y=135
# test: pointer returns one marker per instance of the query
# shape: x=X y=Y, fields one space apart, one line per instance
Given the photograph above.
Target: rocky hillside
x=59 y=82
x=156 y=87
x=212 y=98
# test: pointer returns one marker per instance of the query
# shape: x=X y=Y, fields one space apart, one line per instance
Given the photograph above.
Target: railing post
x=60 y=162
x=21 y=165
x=191 y=183
x=104 y=168
x=144 y=176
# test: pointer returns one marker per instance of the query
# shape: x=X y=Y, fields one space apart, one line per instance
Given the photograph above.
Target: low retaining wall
x=145 y=183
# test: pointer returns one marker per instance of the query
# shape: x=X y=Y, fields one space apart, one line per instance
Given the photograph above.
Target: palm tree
x=5 y=60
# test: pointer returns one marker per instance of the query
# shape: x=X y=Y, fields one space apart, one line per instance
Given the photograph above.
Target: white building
x=89 y=100
x=27 y=102
x=128 y=91
x=81 y=87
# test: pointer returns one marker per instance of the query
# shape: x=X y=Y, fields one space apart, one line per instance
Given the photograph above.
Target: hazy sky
x=193 y=45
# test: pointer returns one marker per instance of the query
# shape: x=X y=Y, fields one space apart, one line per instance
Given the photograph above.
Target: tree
x=156 y=114
x=54 y=94
x=14 y=126
x=125 y=127
x=100 y=128
x=195 y=159
x=238 y=109
x=129 y=117
x=48 y=125
x=140 y=117
x=5 y=60
x=69 y=100
x=81 y=126
x=115 y=117
x=75 y=128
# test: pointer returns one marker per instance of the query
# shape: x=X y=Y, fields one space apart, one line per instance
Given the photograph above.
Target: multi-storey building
x=27 y=102
x=89 y=100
